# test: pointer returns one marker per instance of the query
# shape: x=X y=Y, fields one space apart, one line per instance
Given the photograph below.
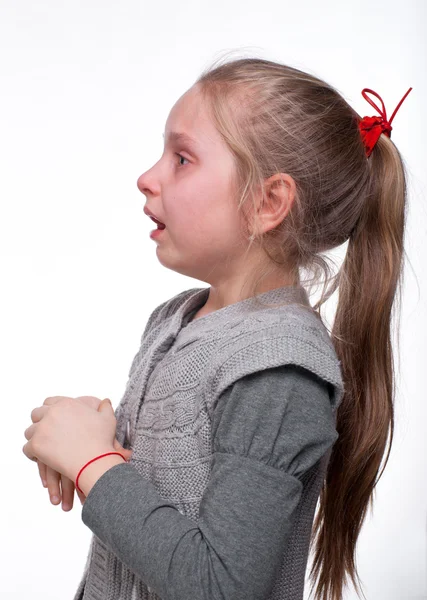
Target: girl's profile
x=249 y=434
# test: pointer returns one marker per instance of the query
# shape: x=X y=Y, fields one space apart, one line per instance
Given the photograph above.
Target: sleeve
x=268 y=429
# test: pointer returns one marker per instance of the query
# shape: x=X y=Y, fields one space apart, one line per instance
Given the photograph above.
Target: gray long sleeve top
x=269 y=428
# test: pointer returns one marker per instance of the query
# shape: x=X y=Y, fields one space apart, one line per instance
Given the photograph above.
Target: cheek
x=205 y=211
x=191 y=207
x=215 y=229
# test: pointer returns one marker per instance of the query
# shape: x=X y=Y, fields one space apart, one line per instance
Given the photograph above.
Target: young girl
x=241 y=410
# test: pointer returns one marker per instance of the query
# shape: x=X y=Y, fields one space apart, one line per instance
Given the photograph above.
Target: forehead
x=180 y=136
x=189 y=121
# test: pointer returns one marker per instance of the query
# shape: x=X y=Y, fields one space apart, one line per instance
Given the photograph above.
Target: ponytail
x=368 y=281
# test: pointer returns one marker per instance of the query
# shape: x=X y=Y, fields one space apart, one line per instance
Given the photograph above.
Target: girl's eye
x=180 y=155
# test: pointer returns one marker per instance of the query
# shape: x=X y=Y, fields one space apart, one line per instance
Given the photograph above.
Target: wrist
x=93 y=471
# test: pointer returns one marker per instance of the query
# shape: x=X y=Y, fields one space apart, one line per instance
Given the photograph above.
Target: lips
x=154 y=218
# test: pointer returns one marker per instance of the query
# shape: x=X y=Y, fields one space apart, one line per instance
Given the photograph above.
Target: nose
x=148 y=185
x=141 y=184
x=149 y=181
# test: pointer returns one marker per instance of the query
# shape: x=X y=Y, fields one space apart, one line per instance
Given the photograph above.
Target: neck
x=236 y=290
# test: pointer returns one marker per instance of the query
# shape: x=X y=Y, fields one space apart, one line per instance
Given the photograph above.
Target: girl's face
x=190 y=190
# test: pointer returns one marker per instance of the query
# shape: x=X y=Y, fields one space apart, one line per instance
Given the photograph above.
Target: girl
x=241 y=409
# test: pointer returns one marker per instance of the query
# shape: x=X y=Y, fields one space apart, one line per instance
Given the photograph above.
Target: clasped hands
x=65 y=435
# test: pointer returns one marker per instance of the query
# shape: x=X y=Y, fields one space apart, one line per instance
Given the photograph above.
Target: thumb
x=105 y=405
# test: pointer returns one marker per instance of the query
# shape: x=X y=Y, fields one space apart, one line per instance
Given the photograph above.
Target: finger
x=52 y=478
x=38 y=413
x=29 y=432
x=54 y=399
x=67 y=490
x=118 y=447
x=28 y=451
x=91 y=401
x=127 y=453
x=42 y=472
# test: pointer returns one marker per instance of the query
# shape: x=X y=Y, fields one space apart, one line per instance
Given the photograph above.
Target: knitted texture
x=173 y=385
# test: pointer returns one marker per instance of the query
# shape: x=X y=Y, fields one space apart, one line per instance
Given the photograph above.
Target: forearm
x=234 y=549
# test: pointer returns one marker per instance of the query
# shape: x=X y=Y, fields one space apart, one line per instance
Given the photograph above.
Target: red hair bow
x=372 y=127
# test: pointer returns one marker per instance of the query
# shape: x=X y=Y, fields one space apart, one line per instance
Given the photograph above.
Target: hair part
x=278 y=119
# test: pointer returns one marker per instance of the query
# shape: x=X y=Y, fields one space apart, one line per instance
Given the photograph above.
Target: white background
x=86 y=87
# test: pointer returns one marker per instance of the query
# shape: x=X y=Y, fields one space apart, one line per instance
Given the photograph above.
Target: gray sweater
x=219 y=497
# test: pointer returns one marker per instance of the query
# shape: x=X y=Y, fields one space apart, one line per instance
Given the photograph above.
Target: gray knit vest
x=174 y=382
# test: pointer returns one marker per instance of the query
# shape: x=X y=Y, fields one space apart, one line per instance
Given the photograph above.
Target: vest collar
x=197 y=297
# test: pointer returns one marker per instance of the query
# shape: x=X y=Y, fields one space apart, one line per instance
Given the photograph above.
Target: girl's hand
x=51 y=478
x=66 y=493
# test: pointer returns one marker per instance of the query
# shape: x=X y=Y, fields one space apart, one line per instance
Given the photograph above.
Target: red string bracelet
x=91 y=461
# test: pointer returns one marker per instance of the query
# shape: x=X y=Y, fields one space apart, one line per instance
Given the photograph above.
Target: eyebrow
x=180 y=136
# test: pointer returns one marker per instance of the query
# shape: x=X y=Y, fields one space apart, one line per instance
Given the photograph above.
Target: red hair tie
x=372 y=127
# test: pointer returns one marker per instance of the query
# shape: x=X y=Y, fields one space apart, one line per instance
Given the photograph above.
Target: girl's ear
x=276 y=202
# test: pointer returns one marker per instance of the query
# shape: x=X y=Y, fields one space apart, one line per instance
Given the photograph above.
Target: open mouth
x=159 y=224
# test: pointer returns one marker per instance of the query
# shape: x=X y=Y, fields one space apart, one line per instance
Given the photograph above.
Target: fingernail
x=54 y=499
x=66 y=507
x=44 y=483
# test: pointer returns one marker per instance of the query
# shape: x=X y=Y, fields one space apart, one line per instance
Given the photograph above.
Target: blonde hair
x=275 y=118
